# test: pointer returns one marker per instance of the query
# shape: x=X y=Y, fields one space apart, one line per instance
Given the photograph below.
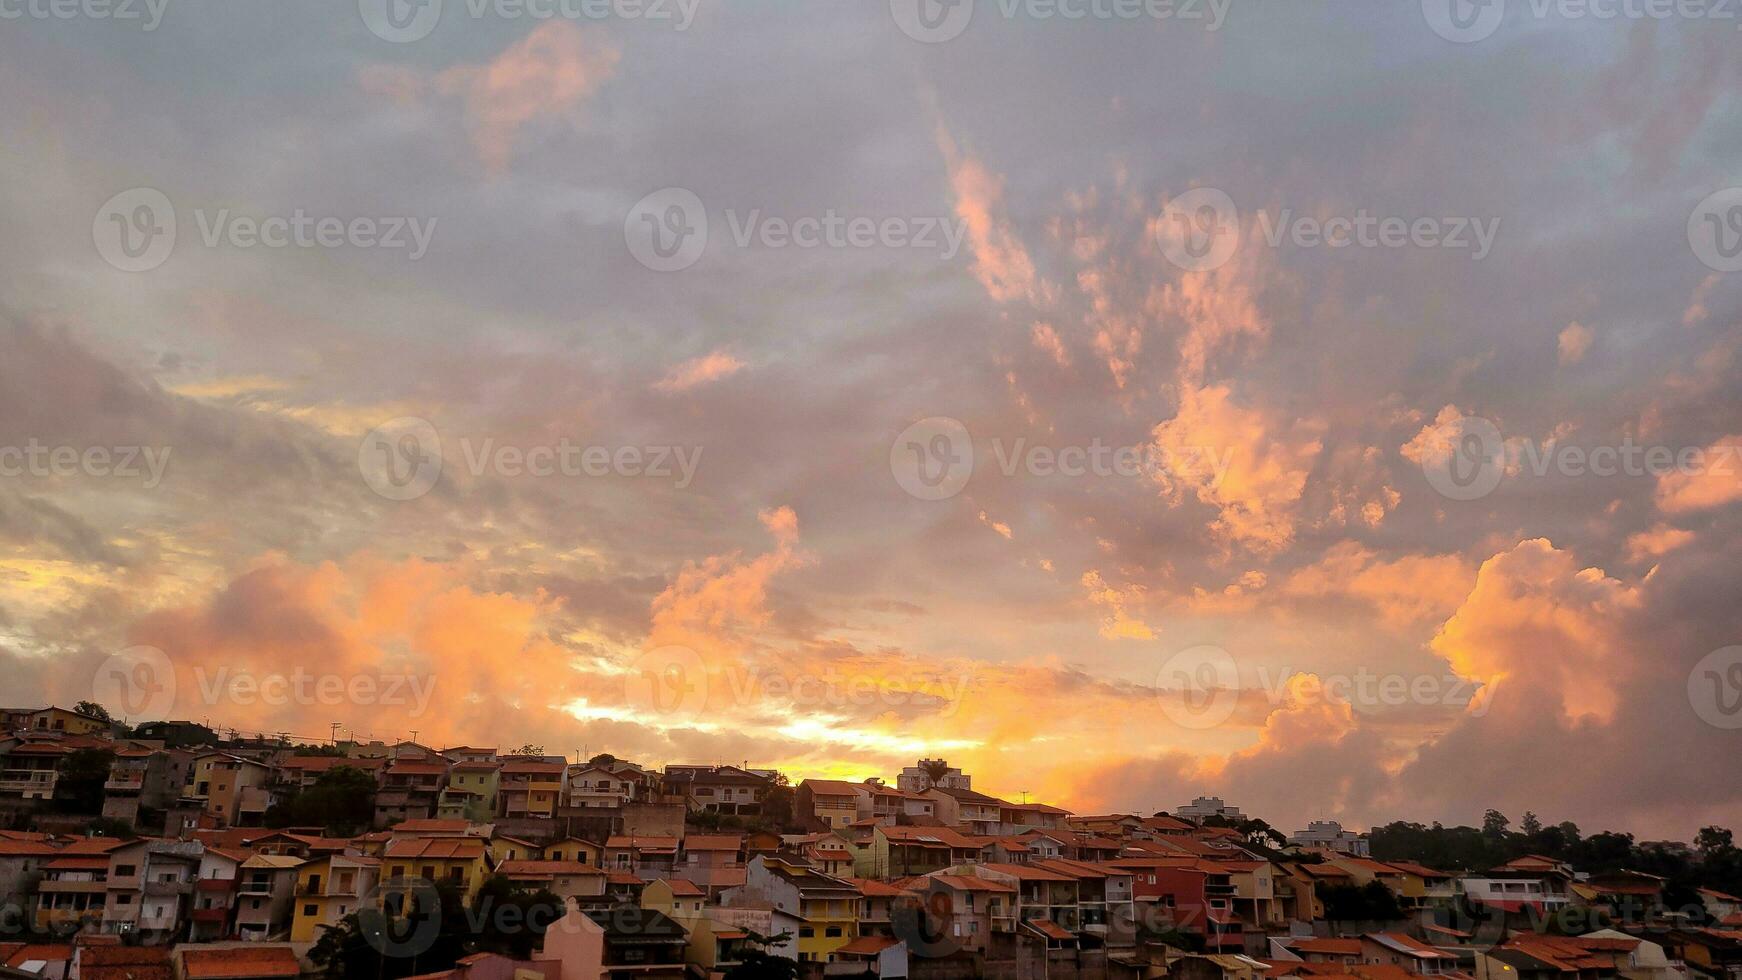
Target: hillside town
x=169 y=850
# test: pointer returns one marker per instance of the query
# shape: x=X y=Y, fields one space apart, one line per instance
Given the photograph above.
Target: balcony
x=54 y=887
x=27 y=781
x=256 y=888
x=168 y=887
x=1003 y=923
x=124 y=784
x=219 y=916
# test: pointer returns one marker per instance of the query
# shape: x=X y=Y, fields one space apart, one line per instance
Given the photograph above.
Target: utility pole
x=334 y=736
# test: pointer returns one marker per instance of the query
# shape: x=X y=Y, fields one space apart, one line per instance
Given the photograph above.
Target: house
x=506 y=848
x=646 y=857
x=1045 y=901
x=566 y=879
x=328 y=888
x=1423 y=887
x=473 y=791
x=898 y=805
x=716 y=945
x=212 y=916
x=1335 y=951
x=416 y=829
x=457 y=860
x=1720 y=905
x=1515 y=891
x=48 y=961
x=31 y=769
x=233 y=790
x=965 y=810
x=52 y=719
x=1017 y=818
x=719 y=789
x=530 y=788
x=150 y=886
x=875 y=914
x=72 y=892
x=1106 y=911
x=900 y=851
x=303 y=771
x=1712 y=954
x=575 y=849
x=712 y=861
x=119 y=962
x=241 y=962
x=1626 y=895
x=874 y=956
x=678 y=898
x=141 y=777
x=1536 y=956
x=591 y=786
x=960 y=912
x=640 y=944
x=826 y=804
x=264 y=895
x=1187 y=894
x=411 y=788
x=1397 y=949
x=21 y=861
x=826 y=907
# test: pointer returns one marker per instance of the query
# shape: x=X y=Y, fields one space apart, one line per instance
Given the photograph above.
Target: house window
x=311 y=910
x=806 y=932
x=832 y=932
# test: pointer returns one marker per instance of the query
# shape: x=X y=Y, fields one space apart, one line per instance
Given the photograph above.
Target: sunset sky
x=1282 y=604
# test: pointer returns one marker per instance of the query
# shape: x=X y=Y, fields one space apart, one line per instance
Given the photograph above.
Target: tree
x=1530 y=825
x=756 y=965
x=79 y=787
x=1714 y=839
x=94 y=710
x=530 y=749
x=1494 y=824
x=341 y=800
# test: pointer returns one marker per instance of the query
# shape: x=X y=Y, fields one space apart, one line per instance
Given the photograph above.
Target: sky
x=1333 y=407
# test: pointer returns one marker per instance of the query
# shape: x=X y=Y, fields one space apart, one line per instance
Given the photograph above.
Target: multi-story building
x=264 y=895
x=328 y=888
x=531 y=788
x=72 y=893
x=234 y=791
x=932 y=774
x=826 y=804
x=904 y=851
x=456 y=860
x=565 y=879
x=591 y=787
x=472 y=792
x=645 y=857
x=411 y=789
x=712 y=861
x=719 y=789
x=1329 y=835
x=966 y=810
x=141 y=778
x=212 y=915
x=827 y=907
x=1204 y=807
x=150 y=887
x=31 y=769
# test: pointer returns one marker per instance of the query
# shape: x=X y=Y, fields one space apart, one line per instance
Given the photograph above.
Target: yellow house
x=61 y=720
x=472 y=791
x=827 y=907
x=530 y=787
x=575 y=849
x=505 y=848
x=676 y=898
x=459 y=860
x=233 y=789
x=328 y=888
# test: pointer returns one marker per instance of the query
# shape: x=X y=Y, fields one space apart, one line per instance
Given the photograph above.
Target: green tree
x=1494 y=824
x=94 y=710
x=1530 y=824
x=342 y=800
x=79 y=787
x=757 y=965
x=1714 y=839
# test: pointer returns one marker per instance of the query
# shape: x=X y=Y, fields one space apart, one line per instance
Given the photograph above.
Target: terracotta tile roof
x=684 y=888
x=966 y=883
x=867 y=946
x=874 y=889
x=832 y=787
x=25 y=848
x=1027 y=872
x=1048 y=928
x=713 y=842
x=643 y=843
x=17 y=954
x=240 y=962
x=423 y=826
x=462 y=848
x=124 y=963
x=537 y=869
x=1327 y=947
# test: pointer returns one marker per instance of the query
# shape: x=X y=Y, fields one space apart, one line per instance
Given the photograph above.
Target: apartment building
x=264 y=895
x=826 y=906
x=328 y=888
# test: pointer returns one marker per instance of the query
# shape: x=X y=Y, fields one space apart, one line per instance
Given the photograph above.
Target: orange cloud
x=1714 y=480
x=1001 y=263
x=1536 y=619
x=1573 y=342
x=548 y=73
x=1658 y=541
x=1406 y=591
x=699 y=371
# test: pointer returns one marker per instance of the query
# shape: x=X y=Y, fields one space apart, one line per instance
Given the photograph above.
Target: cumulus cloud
x=699 y=371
